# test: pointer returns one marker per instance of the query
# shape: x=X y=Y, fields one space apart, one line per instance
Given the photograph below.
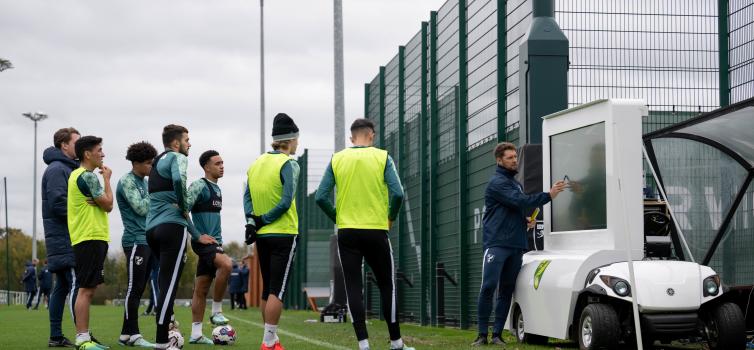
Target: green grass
x=22 y=329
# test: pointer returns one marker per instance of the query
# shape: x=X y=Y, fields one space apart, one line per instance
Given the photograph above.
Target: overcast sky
x=121 y=70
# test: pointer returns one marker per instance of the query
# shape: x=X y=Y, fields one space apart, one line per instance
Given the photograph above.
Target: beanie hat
x=283 y=128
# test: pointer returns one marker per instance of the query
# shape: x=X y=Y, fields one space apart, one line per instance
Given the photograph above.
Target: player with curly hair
x=133 y=202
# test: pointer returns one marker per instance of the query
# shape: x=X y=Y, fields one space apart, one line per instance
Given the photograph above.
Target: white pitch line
x=293 y=335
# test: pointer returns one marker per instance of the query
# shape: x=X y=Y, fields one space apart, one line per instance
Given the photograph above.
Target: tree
x=20 y=254
x=5 y=64
x=235 y=250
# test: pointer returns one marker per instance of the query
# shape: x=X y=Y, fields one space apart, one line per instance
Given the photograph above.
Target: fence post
x=382 y=108
x=366 y=100
x=543 y=72
x=303 y=191
x=433 y=160
x=502 y=70
x=401 y=163
x=723 y=51
x=424 y=317
x=462 y=117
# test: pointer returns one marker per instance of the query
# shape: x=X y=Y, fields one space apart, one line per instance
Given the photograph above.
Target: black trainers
x=497 y=339
x=480 y=340
x=61 y=342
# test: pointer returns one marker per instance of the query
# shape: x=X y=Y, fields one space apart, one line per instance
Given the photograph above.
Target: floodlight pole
x=339 y=99
x=7 y=244
x=35 y=117
x=338 y=295
x=261 y=77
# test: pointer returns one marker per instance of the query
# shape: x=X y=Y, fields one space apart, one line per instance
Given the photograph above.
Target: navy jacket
x=45 y=279
x=244 y=279
x=235 y=280
x=506 y=210
x=54 y=209
x=30 y=278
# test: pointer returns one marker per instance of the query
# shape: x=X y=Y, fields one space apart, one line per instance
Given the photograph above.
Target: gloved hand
x=251 y=234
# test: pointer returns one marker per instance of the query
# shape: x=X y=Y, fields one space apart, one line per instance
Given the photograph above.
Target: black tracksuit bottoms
x=137 y=266
x=168 y=243
x=355 y=246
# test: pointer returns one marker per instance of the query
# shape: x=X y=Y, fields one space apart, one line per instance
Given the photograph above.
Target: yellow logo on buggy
x=539 y=272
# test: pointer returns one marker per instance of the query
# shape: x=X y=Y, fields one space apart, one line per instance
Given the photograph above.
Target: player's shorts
x=276 y=262
x=205 y=265
x=90 y=263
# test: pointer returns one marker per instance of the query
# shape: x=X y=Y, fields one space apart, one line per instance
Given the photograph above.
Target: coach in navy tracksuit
x=30 y=282
x=234 y=287
x=60 y=160
x=504 y=238
x=45 y=284
x=244 y=272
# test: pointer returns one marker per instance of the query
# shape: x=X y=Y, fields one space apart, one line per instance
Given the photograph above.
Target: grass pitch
x=22 y=329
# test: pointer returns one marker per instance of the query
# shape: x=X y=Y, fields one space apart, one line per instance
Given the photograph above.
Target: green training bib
x=362 y=196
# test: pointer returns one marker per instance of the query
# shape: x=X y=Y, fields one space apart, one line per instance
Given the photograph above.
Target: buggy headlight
x=619 y=285
x=711 y=285
x=621 y=288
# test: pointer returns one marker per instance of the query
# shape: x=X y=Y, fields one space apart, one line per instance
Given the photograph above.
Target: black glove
x=251 y=234
x=258 y=221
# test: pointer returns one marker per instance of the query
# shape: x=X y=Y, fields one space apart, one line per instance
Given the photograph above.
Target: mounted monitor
x=578 y=157
x=596 y=149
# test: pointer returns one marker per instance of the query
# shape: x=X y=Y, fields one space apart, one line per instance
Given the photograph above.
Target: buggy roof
x=729 y=129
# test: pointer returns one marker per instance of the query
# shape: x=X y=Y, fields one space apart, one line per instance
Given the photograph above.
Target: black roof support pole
x=728 y=218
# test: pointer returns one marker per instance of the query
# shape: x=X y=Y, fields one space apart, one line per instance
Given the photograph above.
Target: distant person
x=504 y=239
x=133 y=203
x=234 y=286
x=45 y=286
x=272 y=220
x=205 y=200
x=368 y=199
x=29 y=281
x=61 y=160
x=89 y=202
x=244 y=285
x=168 y=222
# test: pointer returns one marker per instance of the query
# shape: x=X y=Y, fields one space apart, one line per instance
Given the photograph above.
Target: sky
x=122 y=70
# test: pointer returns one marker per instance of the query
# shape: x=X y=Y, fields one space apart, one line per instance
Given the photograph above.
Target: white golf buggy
x=609 y=262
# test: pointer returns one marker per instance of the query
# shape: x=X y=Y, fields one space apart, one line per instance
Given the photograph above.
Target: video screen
x=578 y=157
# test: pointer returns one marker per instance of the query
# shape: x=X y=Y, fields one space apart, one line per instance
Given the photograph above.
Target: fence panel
x=741 y=46
x=410 y=236
x=667 y=52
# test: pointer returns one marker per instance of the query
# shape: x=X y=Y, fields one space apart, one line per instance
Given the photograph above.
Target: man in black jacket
x=504 y=238
x=29 y=281
x=60 y=160
x=45 y=285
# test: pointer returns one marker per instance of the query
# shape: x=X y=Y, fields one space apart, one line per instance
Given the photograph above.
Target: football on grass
x=224 y=335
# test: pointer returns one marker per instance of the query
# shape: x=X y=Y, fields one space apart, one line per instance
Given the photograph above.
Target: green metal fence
x=312 y=263
x=451 y=93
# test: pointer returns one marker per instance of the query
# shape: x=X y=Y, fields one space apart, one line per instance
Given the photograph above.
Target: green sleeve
x=325 y=191
x=248 y=207
x=196 y=193
x=178 y=176
x=139 y=204
x=394 y=187
x=89 y=185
